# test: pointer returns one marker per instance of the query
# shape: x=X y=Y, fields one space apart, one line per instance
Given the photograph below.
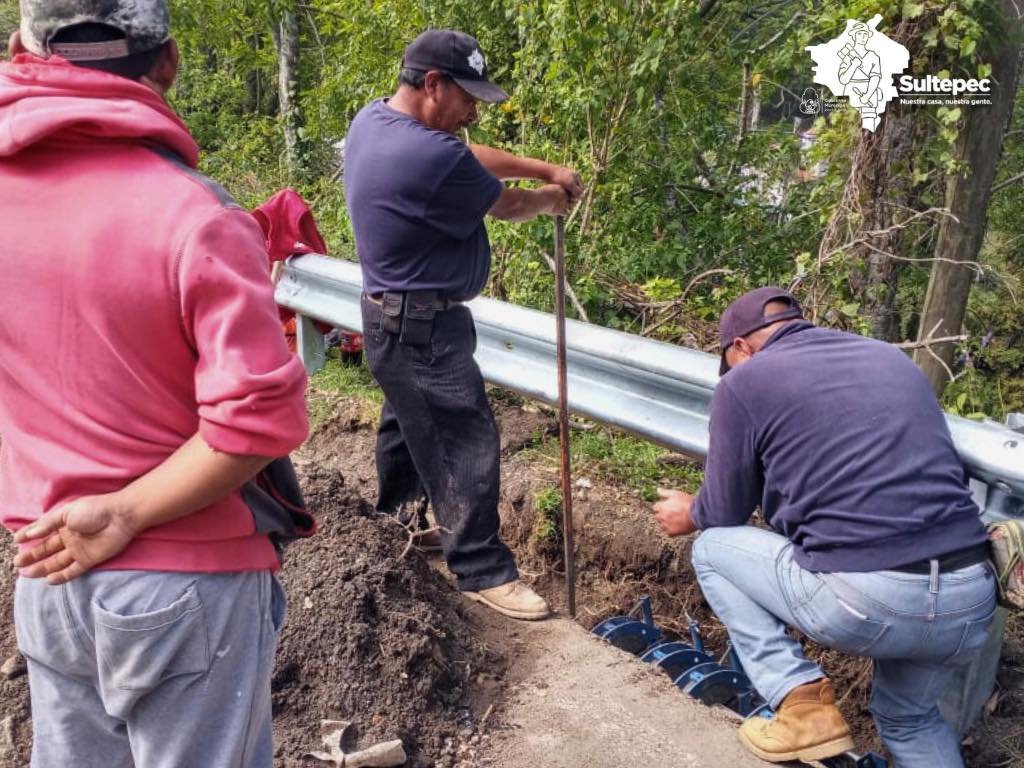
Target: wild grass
x=602 y=453
x=547 y=503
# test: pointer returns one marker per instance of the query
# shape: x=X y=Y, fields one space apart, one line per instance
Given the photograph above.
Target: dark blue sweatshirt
x=839 y=439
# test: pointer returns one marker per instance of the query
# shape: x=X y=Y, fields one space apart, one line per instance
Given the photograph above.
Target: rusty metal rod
x=563 y=416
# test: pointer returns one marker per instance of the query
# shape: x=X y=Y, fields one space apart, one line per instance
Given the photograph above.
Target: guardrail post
x=310 y=344
x=972 y=686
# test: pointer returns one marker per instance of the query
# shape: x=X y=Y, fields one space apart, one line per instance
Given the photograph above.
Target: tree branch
x=928 y=342
x=706 y=6
x=1007 y=182
x=568 y=290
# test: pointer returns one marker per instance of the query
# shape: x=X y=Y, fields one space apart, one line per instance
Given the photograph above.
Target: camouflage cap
x=145 y=24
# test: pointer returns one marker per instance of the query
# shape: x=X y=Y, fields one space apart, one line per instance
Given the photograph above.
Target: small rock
x=307 y=603
x=13 y=667
x=673 y=460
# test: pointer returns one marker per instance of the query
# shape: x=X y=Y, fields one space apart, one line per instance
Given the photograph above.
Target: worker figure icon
x=860 y=71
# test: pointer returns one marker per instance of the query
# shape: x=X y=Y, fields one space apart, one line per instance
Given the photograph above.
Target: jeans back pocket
x=973 y=638
x=138 y=652
x=835 y=621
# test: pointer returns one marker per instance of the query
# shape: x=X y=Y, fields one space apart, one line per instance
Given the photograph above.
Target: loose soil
x=373 y=637
x=386 y=642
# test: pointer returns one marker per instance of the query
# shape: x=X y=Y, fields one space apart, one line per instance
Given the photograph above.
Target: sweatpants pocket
x=138 y=652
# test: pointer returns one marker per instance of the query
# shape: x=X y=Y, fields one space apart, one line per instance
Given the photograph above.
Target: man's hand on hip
x=75 y=537
x=673 y=512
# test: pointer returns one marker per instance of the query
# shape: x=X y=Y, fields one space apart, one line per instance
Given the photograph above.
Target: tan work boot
x=807 y=726
x=514 y=599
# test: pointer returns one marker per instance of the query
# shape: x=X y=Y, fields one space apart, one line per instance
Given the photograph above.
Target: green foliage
x=353 y=381
x=642 y=97
x=547 y=504
x=9 y=15
x=990 y=366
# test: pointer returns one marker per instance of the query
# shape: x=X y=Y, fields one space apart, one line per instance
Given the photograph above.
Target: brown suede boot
x=807 y=726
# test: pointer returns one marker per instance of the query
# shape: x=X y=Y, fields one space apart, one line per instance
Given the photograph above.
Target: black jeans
x=437 y=435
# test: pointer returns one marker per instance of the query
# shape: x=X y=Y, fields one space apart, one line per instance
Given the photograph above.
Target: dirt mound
x=15 y=715
x=371 y=637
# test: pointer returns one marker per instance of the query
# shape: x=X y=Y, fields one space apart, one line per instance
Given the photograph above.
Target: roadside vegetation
x=704 y=178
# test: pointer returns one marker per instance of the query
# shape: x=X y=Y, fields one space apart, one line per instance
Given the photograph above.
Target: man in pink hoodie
x=144 y=382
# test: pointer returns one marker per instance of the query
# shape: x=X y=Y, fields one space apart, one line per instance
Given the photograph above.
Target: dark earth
x=384 y=640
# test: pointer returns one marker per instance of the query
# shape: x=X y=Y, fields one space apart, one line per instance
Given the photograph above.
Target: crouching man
x=876 y=550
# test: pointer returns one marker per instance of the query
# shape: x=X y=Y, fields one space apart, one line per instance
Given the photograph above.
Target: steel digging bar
x=563 y=415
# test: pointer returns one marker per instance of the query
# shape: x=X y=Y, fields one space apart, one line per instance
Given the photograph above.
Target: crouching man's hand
x=75 y=537
x=673 y=512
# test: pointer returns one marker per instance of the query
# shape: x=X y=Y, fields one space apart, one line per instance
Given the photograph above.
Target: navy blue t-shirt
x=839 y=439
x=417 y=200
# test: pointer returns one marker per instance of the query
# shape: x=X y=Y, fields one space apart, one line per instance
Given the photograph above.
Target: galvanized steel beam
x=657 y=391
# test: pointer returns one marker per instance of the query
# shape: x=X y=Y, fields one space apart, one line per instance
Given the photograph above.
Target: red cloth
x=289 y=226
x=290 y=229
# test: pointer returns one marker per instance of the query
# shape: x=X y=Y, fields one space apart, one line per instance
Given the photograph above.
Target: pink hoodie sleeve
x=250 y=389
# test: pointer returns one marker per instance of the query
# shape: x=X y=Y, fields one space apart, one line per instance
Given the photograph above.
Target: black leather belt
x=438 y=302
x=952 y=561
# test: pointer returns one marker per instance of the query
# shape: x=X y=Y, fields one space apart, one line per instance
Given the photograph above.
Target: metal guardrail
x=657 y=391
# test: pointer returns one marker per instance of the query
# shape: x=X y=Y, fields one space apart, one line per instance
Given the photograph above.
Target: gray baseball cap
x=145 y=24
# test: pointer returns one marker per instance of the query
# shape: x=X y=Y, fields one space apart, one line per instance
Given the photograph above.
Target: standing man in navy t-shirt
x=417 y=197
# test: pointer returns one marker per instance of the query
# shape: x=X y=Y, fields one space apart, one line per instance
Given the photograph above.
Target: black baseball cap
x=456 y=54
x=746 y=315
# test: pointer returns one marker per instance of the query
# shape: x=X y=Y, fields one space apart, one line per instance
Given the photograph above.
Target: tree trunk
x=671 y=193
x=706 y=6
x=967 y=198
x=879 y=184
x=743 y=124
x=286 y=38
x=863 y=223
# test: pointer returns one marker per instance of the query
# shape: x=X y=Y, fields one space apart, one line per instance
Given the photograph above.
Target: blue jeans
x=148 y=669
x=917 y=628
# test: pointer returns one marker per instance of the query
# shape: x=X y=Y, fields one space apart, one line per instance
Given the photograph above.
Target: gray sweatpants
x=151 y=669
